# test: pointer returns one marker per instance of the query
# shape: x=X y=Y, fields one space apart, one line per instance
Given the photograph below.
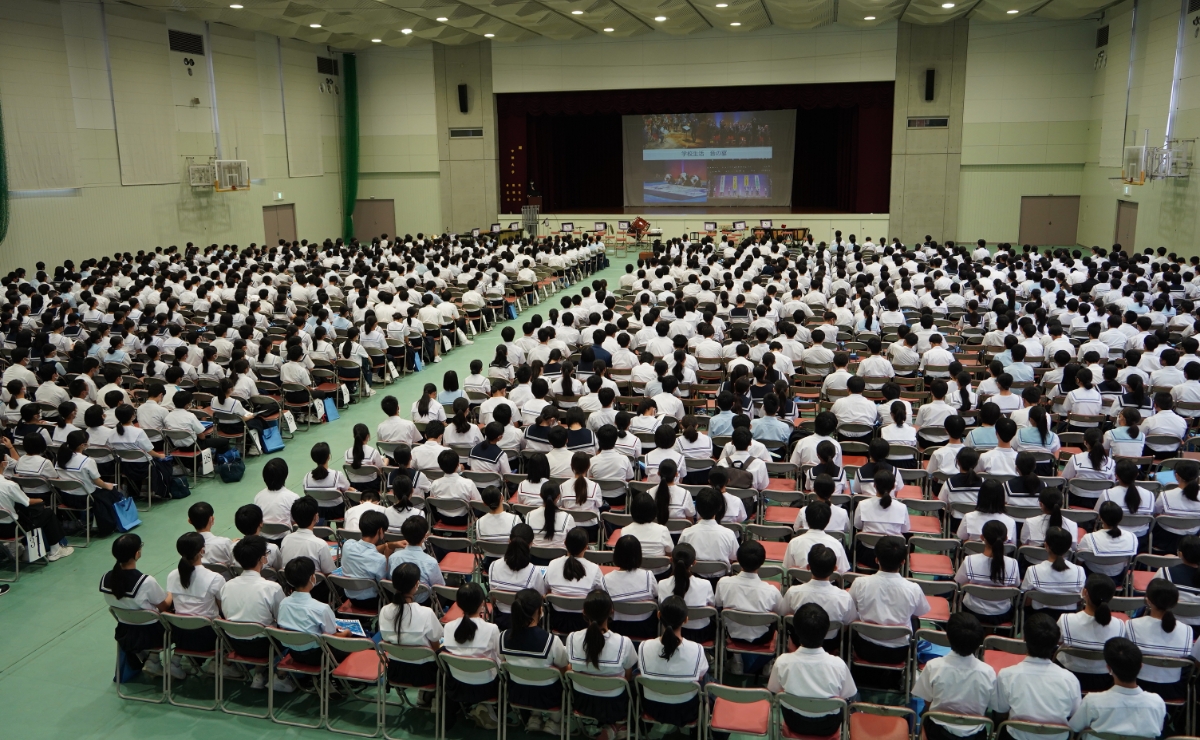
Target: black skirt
x=470 y=694
x=702 y=636
x=680 y=715
x=135 y=638
x=203 y=640
x=824 y=726
x=606 y=710
x=545 y=698
x=640 y=629
x=567 y=622
x=414 y=675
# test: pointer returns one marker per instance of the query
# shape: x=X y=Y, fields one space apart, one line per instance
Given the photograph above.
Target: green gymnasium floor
x=57 y=653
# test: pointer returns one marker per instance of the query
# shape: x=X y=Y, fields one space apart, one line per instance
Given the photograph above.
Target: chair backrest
x=593 y=682
x=140 y=617
x=749 y=619
x=290 y=638
x=811 y=706
x=529 y=674
x=239 y=630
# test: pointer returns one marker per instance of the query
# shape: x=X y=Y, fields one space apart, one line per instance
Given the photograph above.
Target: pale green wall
x=990 y=196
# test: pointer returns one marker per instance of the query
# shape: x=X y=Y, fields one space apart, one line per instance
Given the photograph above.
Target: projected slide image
x=740 y=187
x=696 y=130
x=677 y=182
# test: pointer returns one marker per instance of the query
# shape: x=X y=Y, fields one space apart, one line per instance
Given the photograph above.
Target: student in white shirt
x=749 y=593
x=598 y=650
x=1033 y=532
x=572 y=576
x=958 y=682
x=711 y=540
x=812 y=673
x=454 y=488
x=276 y=500
x=990 y=568
x=1037 y=690
x=1159 y=633
x=887 y=598
x=837 y=602
x=217 y=550
x=583 y=495
x=1089 y=630
x=195 y=592
x=817 y=518
x=672 y=501
x=1094 y=464
x=1182 y=502
x=1001 y=459
x=880 y=515
x=1125 y=709
x=365 y=459
x=496 y=525
x=695 y=591
x=405 y=622
x=471 y=636
x=990 y=507
x=631 y=582
x=655 y=538
x=1131 y=498
x=1108 y=540
x=672 y=657
x=1055 y=574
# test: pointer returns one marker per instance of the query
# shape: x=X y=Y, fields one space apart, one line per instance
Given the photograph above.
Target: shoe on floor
x=153 y=666
x=283 y=685
x=177 y=672
x=535 y=722
x=438 y=358
x=4 y=587
x=552 y=728
x=467 y=342
x=484 y=716
x=58 y=552
x=260 y=681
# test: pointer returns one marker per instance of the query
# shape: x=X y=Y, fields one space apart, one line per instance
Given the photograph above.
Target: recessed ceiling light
x=489 y=35
x=376 y=41
x=406 y=30
x=608 y=30
x=735 y=24
x=722 y=5
x=236 y=7
x=660 y=18
x=576 y=12
x=869 y=18
x=314 y=25
x=1013 y=12
x=947 y=5
x=442 y=20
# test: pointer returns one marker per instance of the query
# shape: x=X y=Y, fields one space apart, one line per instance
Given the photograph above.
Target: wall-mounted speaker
x=462 y=98
x=929 y=75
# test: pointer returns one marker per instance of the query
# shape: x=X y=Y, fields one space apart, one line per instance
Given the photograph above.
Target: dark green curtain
x=350 y=142
x=3 y=184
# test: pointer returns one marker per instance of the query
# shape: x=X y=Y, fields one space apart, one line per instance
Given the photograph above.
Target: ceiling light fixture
x=1013 y=12
x=442 y=20
x=489 y=35
x=869 y=18
x=660 y=18
x=576 y=12
x=608 y=30
x=947 y=6
x=722 y=5
x=406 y=31
x=236 y=7
x=314 y=25
x=376 y=41
x=735 y=24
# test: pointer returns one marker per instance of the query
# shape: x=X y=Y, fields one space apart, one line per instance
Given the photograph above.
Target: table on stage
x=503 y=234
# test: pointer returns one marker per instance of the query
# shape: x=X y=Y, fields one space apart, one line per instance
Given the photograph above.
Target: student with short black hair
x=366 y=557
x=631 y=582
x=1037 y=690
x=301 y=612
x=414 y=530
x=747 y=592
x=217 y=550
x=1186 y=574
x=1125 y=709
x=818 y=516
x=711 y=540
x=958 y=682
x=886 y=598
x=837 y=602
x=275 y=501
x=252 y=598
x=453 y=487
x=812 y=673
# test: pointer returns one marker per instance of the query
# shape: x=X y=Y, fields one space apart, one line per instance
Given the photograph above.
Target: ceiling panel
x=353 y=24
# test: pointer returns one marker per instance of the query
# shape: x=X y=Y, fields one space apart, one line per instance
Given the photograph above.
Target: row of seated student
x=1123 y=695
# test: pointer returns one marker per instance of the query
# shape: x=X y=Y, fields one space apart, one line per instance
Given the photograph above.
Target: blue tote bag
x=127 y=514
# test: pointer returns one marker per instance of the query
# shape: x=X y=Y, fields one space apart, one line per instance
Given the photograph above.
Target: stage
x=822 y=226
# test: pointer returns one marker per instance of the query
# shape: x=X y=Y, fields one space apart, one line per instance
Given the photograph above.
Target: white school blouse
x=616 y=657
x=871 y=517
x=1081 y=630
x=687 y=663
x=1147 y=632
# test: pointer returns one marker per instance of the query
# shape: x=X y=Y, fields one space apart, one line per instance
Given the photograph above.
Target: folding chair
x=18 y=537
x=523 y=674
x=319 y=675
x=880 y=722
x=439 y=506
x=941 y=595
x=228 y=633
x=1002 y=652
x=140 y=618
x=1090 y=560
x=879 y=632
x=459 y=560
x=576 y=680
x=812 y=706
x=72 y=487
x=176 y=622
x=747 y=712
x=1010 y=594
x=669 y=688
x=959 y=720
x=299 y=408
x=727 y=644
x=409 y=654
x=361 y=670
x=464 y=665
x=937 y=563
x=185 y=457
x=346 y=608
x=1032 y=728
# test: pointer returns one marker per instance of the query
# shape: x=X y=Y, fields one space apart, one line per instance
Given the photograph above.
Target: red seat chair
x=747 y=712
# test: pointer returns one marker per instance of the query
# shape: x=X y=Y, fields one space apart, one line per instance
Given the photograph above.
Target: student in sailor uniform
x=514 y=572
x=321 y=478
x=600 y=651
x=632 y=582
x=575 y=577
x=524 y=643
x=579 y=437
x=1055 y=574
x=1186 y=575
x=405 y=622
x=487 y=456
x=127 y=587
x=990 y=568
x=672 y=657
x=1089 y=630
x=471 y=636
x=1158 y=633
x=695 y=592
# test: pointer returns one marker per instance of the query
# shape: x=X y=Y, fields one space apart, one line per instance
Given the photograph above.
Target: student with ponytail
x=363 y=455
x=990 y=508
x=471 y=636
x=990 y=568
x=1109 y=539
x=1159 y=633
x=597 y=650
x=572 y=576
x=321 y=478
x=583 y=494
x=549 y=522
x=1056 y=574
x=1132 y=498
x=672 y=501
x=460 y=430
x=1183 y=502
x=880 y=515
x=963 y=486
x=195 y=592
x=405 y=622
x=515 y=571
x=403 y=508
x=631 y=582
x=1089 y=630
x=1093 y=464
x=1035 y=528
x=672 y=657
x=127 y=587
x=225 y=403
x=695 y=591
x=427 y=408
x=524 y=643
x=1037 y=437
x=1027 y=486
x=1127 y=439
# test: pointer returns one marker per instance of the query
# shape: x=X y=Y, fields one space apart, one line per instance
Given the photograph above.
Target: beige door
x=373 y=217
x=279 y=222
x=1126 y=225
x=1049 y=220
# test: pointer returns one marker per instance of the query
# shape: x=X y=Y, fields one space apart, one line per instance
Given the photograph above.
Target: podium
x=534 y=200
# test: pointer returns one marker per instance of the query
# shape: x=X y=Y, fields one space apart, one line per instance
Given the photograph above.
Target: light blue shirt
x=1020 y=372
x=983 y=438
x=361 y=560
x=721 y=425
x=1004 y=358
x=770 y=428
x=431 y=573
x=300 y=612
